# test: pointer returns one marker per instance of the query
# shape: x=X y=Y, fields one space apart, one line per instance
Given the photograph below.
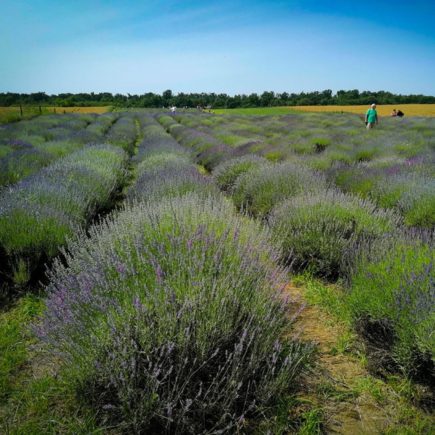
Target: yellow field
x=383 y=110
x=8 y=114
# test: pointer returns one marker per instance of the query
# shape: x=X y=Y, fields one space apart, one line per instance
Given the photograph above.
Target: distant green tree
x=267 y=98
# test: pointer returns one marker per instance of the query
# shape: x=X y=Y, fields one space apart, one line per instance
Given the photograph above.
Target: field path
x=333 y=387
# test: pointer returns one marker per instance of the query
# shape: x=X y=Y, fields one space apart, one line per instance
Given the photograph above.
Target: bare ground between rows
x=332 y=386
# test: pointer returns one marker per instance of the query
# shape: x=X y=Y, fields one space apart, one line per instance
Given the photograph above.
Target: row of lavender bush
x=156 y=140
x=392 y=165
x=40 y=212
x=124 y=132
x=408 y=186
x=169 y=316
x=165 y=168
x=209 y=152
x=392 y=299
x=27 y=146
x=337 y=235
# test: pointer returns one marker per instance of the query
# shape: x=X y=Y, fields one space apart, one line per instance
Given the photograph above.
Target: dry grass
x=383 y=110
x=12 y=113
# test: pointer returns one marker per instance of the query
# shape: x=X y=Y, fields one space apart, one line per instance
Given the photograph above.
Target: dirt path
x=337 y=386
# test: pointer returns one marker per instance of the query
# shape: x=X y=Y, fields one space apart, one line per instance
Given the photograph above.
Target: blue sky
x=216 y=46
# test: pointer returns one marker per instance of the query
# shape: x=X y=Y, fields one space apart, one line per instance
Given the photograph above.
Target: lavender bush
x=157 y=140
x=393 y=286
x=227 y=172
x=123 y=133
x=407 y=186
x=167 y=183
x=21 y=163
x=102 y=124
x=170 y=319
x=319 y=231
x=209 y=151
x=35 y=144
x=158 y=161
x=412 y=194
x=38 y=213
x=259 y=189
x=166 y=175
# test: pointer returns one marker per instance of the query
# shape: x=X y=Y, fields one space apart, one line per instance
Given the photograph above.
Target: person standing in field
x=371 y=117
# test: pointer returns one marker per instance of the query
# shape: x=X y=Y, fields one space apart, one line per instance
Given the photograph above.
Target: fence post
x=40 y=110
x=21 y=110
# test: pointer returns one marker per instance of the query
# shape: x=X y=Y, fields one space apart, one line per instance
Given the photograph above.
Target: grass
x=383 y=110
x=329 y=297
x=394 y=399
x=14 y=340
x=33 y=400
x=312 y=422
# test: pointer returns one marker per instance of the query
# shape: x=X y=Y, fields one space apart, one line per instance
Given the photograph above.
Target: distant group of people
x=204 y=109
x=173 y=109
x=371 y=118
x=398 y=113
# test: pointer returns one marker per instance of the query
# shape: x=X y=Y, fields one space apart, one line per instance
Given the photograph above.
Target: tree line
x=168 y=98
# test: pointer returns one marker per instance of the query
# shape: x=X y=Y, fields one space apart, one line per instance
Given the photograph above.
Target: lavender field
x=147 y=262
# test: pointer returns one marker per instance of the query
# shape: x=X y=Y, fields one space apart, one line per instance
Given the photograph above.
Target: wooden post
x=40 y=110
x=21 y=110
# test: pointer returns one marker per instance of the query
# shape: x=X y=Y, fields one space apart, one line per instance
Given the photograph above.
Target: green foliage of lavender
x=413 y=195
x=123 y=133
x=408 y=187
x=21 y=162
x=166 y=121
x=320 y=231
x=167 y=174
x=31 y=145
x=257 y=191
x=40 y=212
x=227 y=172
x=157 y=141
x=393 y=283
x=209 y=151
x=170 y=319
x=159 y=160
x=102 y=123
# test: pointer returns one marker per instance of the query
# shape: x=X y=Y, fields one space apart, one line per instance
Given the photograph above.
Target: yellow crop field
x=383 y=110
x=12 y=113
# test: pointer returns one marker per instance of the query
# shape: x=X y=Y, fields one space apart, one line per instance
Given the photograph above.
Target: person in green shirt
x=371 y=116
